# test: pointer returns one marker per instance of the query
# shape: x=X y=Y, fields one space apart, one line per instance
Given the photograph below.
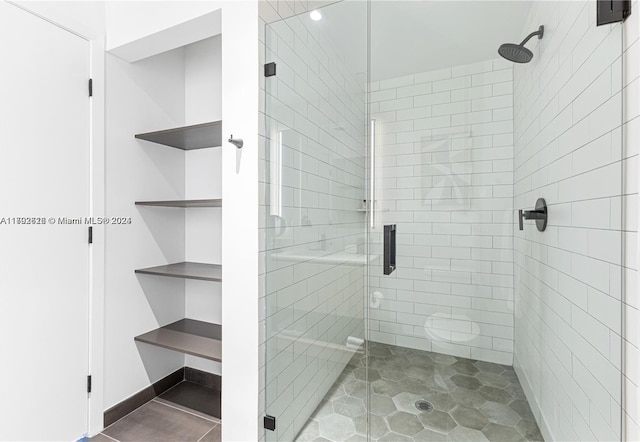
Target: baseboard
x=125 y=407
x=202 y=378
x=537 y=411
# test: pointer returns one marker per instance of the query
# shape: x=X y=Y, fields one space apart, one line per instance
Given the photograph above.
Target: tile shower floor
x=472 y=400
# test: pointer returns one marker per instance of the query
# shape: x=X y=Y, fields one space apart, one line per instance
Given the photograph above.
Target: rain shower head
x=518 y=53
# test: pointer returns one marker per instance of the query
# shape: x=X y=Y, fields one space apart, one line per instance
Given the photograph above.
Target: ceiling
x=418 y=36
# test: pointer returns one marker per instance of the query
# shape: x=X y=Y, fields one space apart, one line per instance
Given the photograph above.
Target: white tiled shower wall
x=569 y=149
x=313 y=298
x=445 y=178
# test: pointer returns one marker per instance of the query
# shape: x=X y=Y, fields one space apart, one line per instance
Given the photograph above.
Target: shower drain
x=425 y=406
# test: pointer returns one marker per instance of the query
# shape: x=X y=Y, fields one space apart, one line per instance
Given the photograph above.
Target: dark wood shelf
x=182 y=203
x=188 y=336
x=186 y=270
x=198 y=136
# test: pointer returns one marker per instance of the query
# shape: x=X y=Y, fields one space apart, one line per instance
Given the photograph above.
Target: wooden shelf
x=182 y=203
x=186 y=270
x=199 y=136
x=188 y=336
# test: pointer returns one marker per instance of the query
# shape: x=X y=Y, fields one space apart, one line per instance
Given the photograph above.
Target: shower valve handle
x=539 y=214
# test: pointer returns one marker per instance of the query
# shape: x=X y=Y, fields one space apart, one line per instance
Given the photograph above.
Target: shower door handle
x=389 y=249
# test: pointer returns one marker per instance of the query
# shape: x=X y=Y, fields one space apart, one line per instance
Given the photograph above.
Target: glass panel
x=508 y=333
x=315 y=183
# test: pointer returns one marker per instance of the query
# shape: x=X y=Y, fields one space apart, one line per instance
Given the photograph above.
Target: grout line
x=126 y=415
x=106 y=435
x=211 y=419
x=203 y=436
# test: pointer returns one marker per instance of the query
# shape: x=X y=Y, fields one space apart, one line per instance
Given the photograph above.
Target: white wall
x=240 y=317
x=145 y=96
x=203 y=179
x=568 y=149
x=631 y=293
x=444 y=175
x=128 y=21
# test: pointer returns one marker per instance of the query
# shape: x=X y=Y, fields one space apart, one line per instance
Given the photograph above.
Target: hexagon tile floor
x=472 y=401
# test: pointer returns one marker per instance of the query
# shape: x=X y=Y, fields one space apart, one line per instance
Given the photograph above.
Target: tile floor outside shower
x=158 y=421
x=472 y=400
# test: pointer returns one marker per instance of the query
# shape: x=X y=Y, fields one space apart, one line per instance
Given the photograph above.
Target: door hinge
x=91 y=87
x=270 y=423
x=89 y=384
x=270 y=69
x=612 y=11
x=90 y=234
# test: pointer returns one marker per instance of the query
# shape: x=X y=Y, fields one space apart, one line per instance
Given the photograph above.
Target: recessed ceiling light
x=315 y=15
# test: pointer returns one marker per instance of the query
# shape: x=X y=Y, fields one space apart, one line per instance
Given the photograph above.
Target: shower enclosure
x=406 y=297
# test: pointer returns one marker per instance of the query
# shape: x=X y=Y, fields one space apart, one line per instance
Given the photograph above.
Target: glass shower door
x=314 y=176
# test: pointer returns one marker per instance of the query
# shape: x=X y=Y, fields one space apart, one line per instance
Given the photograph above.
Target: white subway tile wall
x=444 y=176
x=568 y=105
x=312 y=235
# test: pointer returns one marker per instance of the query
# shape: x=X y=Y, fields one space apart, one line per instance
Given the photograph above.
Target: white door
x=44 y=268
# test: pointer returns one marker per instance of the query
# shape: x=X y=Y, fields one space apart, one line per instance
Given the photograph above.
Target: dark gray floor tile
x=417 y=386
x=464 y=381
x=465 y=367
x=478 y=411
x=515 y=390
x=501 y=433
x=386 y=387
x=395 y=437
x=154 y=422
x=522 y=408
x=438 y=421
x=206 y=402
x=529 y=429
x=381 y=405
x=101 y=438
x=500 y=414
x=492 y=379
x=363 y=374
x=349 y=406
x=377 y=426
x=309 y=432
x=490 y=367
x=324 y=409
x=392 y=373
x=430 y=436
x=495 y=394
x=404 y=423
x=467 y=398
x=406 y=402
x=464 y=434
x=215 y=435
x=470 y=418
x=421 y=360
x=336 y=427
x=356 y=388
x=441 y=401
